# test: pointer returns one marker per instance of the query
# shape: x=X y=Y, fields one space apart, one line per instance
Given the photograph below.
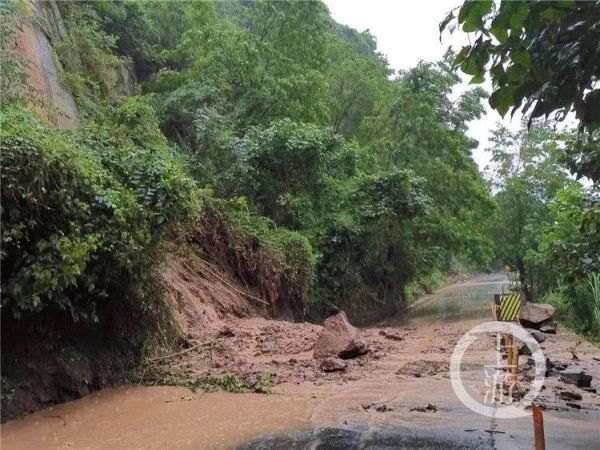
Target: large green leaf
x=502 y=99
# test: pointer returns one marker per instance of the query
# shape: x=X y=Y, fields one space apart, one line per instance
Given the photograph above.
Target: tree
x=541 y=56
x=422 y=129
x=527 y=173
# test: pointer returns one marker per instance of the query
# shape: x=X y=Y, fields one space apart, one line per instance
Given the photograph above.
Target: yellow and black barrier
x=508 y=306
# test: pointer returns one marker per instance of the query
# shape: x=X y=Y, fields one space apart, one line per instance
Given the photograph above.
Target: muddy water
x=157 y=418
x=329 y=415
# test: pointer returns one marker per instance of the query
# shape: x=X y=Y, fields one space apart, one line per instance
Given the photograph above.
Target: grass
x=227 y=382
x=593 y=283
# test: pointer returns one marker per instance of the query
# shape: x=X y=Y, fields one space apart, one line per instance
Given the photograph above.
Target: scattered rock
x=559 y=366
x=573 y=405
x=430 y=407
x=534 y=314
x=333 y=364
x=391 y=334
x=524 y=350
x=367 y=405
x=537 y=335
x=549 y=364
x=579 y=379
x=383 y=408
x=423 y=368
x=548 y=327
x=339 y=338
x=568 y=395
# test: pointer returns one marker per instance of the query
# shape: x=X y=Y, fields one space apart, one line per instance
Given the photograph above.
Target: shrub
x=74 y=231
x=276 y=262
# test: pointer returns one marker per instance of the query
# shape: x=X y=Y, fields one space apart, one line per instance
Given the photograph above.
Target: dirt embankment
x=231 y=338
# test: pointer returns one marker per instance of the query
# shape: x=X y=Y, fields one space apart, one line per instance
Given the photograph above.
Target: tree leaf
x=502 y=99
x=522 y=58
x=446 y=21
x=470 y=67
x=517 y=19
x=499 y=33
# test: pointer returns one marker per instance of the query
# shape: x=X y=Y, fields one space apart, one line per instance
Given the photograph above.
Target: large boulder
x=533 y=315
x=338 y=338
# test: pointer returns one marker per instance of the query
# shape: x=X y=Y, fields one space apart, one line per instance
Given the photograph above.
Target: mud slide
x=398 y=395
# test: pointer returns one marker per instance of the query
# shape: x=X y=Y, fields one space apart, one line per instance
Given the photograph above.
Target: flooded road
x=326 y=414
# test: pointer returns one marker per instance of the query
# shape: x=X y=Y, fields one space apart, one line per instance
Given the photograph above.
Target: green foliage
x=423 y=130
x=543 y=53
x=330 y=177
x=290 y=167
x=578 y=305
x=541 y=56
x=263 y=386
x=86 y=52
x=73 y=231
x=527 y=173
x=593 y=282
x=227 y=382
x=547 y=224
x=13 y=76
x=277 y=262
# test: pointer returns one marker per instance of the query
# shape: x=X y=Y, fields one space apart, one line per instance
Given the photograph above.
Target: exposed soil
x=222 y=335
x=254 y=348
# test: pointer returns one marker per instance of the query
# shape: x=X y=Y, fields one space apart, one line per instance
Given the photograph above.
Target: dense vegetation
x=361 y=180
x=295 y=118
x=543 y=56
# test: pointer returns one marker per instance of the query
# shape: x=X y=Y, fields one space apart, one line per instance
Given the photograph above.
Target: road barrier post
x=538 y=427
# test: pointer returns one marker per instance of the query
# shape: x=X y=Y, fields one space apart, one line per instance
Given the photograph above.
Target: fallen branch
x=158 y=358
x=204 y=344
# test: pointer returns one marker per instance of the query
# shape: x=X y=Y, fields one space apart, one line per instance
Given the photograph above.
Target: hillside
x=180 y=175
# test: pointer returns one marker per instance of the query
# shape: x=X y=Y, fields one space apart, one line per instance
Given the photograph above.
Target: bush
x=75 y=229
x=578 y=305
x=367 y=256
x=276 y=262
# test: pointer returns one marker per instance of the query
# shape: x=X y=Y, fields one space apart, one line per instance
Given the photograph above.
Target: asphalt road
x=453 y=309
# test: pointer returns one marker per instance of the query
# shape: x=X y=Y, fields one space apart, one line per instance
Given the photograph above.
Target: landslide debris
x=538 y=316
x=339 y=339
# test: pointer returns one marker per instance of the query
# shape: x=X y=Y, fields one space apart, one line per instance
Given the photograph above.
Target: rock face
x=333 y=364
x=34 y=43
x=338 y=339
x=535 y=315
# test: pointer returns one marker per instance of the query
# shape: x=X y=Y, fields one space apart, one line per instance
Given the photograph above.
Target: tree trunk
x=523 y=279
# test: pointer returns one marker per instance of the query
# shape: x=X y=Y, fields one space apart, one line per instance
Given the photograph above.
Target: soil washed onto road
x=396 y=395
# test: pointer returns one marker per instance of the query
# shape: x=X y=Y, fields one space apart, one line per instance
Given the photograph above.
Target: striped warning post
x=509 y=307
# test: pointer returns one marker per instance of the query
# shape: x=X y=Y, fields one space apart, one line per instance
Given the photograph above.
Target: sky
x=407 y=32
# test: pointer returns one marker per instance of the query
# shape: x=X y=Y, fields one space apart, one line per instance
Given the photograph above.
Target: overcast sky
x=407 y=32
